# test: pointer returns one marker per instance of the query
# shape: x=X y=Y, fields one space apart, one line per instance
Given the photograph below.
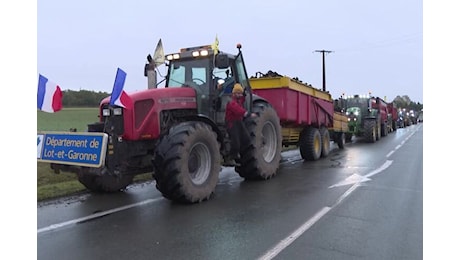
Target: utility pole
x=324 y=67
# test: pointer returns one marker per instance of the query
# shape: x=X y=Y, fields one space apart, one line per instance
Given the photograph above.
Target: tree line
x=82 y=98
x=86 y=98
x=405 y=102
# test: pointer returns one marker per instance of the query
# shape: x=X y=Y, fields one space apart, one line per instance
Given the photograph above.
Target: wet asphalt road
x=362 y=202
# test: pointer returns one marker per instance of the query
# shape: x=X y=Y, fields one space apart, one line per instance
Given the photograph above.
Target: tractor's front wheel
x=187 y=163
x=340 y=139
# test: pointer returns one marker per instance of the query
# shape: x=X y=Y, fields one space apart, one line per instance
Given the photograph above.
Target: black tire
x=187 y=163
x=310 y=144
x=348 y=137
x=260 y=159
x=325 y=142
x=384 y=129
x=340 y=140
x=97 y=180
x=370 y=131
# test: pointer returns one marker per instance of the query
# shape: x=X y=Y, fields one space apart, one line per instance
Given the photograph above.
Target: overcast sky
x=376 y=45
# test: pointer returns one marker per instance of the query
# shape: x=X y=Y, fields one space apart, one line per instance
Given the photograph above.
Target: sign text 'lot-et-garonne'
x=84 y=149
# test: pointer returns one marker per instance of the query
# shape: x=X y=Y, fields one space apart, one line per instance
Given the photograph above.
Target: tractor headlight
x=117 y=111
x=174 y=56
x=200 y=53
x=105 y=112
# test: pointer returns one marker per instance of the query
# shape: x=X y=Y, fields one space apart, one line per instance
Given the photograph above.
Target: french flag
x=49 y=96
x=119 y=97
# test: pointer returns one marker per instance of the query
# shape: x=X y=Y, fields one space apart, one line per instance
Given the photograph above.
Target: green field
x=67 y=118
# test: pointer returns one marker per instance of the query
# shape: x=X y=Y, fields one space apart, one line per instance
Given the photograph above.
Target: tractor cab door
x=231 y=70
x=242 y=78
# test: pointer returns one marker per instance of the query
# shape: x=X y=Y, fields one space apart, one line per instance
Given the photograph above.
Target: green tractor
x=367 y=117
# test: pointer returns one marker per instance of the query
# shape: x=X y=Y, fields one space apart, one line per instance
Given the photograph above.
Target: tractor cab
x=358 y=106
x=203 y=70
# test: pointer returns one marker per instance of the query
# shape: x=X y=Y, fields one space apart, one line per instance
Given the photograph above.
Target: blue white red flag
x=49 y=95
x=119 y=97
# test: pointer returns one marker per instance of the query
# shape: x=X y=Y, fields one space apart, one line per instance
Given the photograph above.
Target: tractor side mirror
x=222 y=61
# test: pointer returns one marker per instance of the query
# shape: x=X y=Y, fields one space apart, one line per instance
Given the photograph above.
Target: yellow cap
x=237 y=88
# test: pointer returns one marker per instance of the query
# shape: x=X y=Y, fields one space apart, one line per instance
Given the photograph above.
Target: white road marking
x=380 y=169
x=294 y=235
x=96 y=215
x=390 y=153
x=356 y=178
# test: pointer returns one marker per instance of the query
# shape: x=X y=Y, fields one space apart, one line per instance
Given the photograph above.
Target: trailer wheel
x=348 y=137
x=325 y=142
x=261 y=158
x=370 y=131
x=340 y=140
x=187 y=163
x=94 y=181
x=310 y=144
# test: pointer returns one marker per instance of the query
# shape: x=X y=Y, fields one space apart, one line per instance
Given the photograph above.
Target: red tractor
x=178 y=132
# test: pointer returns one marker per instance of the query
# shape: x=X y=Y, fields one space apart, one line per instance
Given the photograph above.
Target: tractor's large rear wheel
x=187 y=163
x=261 y=158
x=310 y=144
x=98 y=180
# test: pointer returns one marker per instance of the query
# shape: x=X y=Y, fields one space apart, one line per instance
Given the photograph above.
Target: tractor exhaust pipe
x=150 y=73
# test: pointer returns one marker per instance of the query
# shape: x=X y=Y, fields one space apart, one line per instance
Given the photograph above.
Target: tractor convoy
x=177 y=132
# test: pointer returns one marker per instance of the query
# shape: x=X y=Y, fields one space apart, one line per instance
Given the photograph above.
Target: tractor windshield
x=358 y=102
x=189 y=73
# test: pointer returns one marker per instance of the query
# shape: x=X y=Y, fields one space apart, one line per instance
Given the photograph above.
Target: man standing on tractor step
x=234 y=115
